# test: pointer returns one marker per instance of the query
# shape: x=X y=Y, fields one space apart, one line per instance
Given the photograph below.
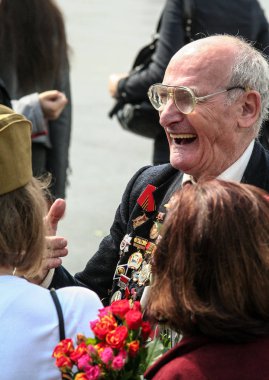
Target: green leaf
x=155 y=350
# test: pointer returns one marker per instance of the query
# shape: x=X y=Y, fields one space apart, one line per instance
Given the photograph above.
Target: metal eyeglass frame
x=171 y=93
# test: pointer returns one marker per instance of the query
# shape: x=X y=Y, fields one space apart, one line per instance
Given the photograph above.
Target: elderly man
x=212 y=101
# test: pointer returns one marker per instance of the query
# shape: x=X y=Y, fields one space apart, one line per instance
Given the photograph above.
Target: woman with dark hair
x=211 y=283
x=28 y=316
x=34 y=59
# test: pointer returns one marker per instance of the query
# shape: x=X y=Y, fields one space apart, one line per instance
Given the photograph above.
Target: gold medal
x=135 y=260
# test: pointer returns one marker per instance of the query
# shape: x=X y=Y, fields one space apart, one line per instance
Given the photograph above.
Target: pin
x=154 y=231
x=116 y=296
x=139 y=220
x=144 y=274
x=123 y=281
x=135 y=275
x=140 y=242
x=125 y=243
x=151 y=248
x=160 y=216
x=146 y=199
x=135 y=260
x=121 y=269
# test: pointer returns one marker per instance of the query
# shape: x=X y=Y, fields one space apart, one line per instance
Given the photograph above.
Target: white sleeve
x=29 y=106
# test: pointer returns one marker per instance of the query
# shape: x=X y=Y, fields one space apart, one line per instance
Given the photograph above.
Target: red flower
x=65 y=347
x=116 y=338
x=133 y=319
x=80 y=350
x=133 y=348
x=120 y=307
x=64 y=362
x=103 y=326
x=137 y=306
x=145 y=329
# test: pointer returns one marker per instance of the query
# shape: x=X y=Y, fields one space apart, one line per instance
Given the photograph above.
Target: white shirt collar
x=235 y=171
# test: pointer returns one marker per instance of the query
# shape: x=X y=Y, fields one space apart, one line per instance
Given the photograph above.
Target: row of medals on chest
x=139 y=261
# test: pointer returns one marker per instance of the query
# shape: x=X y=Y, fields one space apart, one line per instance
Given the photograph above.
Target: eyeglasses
x=183 y=97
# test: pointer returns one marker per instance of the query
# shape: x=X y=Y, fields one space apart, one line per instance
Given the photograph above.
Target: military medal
x=151 y=248
x=123 y=281
x=125 y=243
x=140 y=242
x=121 y=269
x=139 y=220
x=146 y=199
x=154 y=231
x=160 y=216
x=135 y=260
x=116 y=296
x=144 y=274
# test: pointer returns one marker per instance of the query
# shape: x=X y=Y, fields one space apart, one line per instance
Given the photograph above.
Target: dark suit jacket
x=100 y=269
x=200 y=358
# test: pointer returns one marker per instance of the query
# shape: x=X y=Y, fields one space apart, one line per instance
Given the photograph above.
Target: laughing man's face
x=204 y=142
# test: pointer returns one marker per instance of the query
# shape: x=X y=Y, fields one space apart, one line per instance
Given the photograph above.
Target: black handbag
x=141 y=118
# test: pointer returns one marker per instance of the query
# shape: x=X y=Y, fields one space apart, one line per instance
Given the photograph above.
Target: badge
x=151 y=248
x=116 y=296
x=125 y=243
x=154 y=231
x=135 y=260
x=160 y=216
x=144 y=274
x=121 y=269
x=140 y=242
x=135 y=275
x=123 y=281
x=146 y=199
x=139 y=220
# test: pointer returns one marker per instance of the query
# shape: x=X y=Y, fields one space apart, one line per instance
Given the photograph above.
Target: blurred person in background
x=34 y=59
x=245 y=18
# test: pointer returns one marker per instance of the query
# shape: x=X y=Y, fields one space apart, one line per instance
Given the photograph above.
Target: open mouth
x=183 y=138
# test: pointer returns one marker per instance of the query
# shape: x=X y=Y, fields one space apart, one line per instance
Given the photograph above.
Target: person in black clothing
x=214 y=97
x=241 y=17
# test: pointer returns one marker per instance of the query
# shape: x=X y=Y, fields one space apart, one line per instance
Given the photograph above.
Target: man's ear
x=250 y=109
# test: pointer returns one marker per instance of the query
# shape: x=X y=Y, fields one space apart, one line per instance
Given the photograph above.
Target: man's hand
x=52 y=103
x=56 y=246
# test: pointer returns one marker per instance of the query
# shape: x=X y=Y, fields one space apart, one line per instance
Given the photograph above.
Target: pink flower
x=93 y=372
x=84 y=362
x=105 y=311
x=118 y=362
x=107 y=355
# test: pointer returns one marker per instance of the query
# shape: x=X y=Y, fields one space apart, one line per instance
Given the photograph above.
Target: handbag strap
x=59 y=313
x=188 y=7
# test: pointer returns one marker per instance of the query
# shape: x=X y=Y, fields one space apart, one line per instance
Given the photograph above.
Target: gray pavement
x=104 y=36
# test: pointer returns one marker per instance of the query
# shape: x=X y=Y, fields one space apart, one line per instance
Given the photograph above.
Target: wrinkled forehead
x=208 y=64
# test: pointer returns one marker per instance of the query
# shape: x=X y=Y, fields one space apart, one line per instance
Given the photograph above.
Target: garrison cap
x=15 y=150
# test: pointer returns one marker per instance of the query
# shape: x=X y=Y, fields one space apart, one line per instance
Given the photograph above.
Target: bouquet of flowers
x=122 y=348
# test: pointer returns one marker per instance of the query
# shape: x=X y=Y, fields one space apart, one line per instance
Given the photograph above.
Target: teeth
x=182 y=136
